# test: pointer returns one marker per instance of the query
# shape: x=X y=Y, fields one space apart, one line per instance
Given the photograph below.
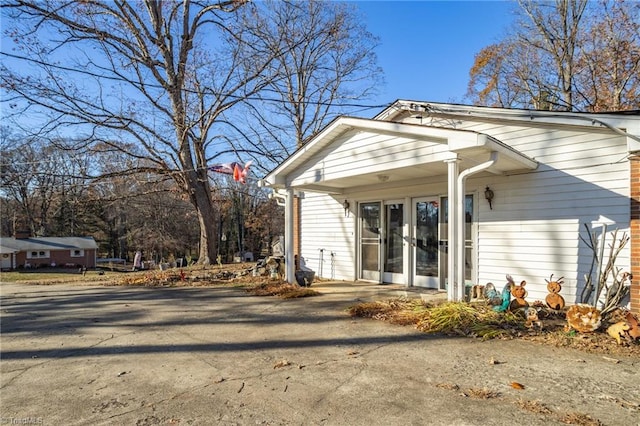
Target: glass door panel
x=370 y=240
x=394 y=243
x=468 y=239
x=425 y=242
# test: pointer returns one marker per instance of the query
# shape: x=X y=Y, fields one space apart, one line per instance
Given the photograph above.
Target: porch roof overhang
x=441 y=144
x=7 y=250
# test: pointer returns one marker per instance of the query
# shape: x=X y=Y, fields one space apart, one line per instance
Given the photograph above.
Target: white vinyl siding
x=362 y=152
x=538 y=216
x=325 y=226
x=534 y=228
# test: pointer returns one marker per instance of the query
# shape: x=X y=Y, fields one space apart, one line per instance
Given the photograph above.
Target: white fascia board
x=342 y=124
x=8 y=250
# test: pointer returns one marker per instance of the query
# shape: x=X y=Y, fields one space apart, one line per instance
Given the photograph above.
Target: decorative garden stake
x=491 y=295
x=506 y=296
x=519 y=294
x=532 y=320
x=619 y=331
x=583 y=318
x=553 y=299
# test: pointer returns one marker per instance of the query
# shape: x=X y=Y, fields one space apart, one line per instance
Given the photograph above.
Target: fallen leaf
x=517 y=385
x=615 y=361
x=281 y=364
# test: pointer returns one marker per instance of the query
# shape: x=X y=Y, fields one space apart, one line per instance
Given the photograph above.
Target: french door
x=382 y=241
x=384 y=230
x=370 y=240
x=393 y=242
x=425 y=242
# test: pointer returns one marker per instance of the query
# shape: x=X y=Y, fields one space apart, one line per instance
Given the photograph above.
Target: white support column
x=288 y=238
x=407 y=234
x=452 y=270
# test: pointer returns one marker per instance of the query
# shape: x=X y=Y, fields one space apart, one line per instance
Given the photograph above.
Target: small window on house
x=77 y=253
x=41 y=254
x=34 y=254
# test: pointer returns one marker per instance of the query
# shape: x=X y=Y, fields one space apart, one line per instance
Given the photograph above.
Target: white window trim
x=73 y=253
x=39 y=254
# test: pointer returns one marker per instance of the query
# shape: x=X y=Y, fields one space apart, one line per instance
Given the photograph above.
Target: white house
x=442 y=196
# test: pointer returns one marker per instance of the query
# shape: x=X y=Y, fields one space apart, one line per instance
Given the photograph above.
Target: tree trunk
x=206 y=217
x=200 y=194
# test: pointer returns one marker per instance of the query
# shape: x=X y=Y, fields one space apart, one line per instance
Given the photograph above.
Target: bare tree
x=155 y=76
x=161 y=82
x=569 y=55
x=555 y=30
x=31 y=178
x=609 y=59
x=500 y=77
x=325 y=65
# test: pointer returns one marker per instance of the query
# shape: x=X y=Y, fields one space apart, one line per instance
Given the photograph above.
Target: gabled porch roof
x=390 y=151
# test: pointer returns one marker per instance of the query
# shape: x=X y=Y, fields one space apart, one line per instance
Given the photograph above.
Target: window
x=77 y=253
x=43 y=254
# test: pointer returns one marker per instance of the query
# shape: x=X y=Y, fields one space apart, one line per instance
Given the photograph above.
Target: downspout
x=289 y=260
x=460 y=211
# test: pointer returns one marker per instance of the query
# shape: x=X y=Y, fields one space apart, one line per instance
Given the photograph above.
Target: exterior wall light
x=488 y=194
x=345 y=205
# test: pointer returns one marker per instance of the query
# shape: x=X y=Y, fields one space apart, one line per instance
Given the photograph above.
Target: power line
x=160 y=87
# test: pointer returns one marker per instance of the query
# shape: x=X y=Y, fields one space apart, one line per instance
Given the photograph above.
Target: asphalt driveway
x=87 y=355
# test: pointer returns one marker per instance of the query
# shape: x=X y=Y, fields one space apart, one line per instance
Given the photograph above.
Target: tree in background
x=156 y=76
x=159 y=82
x=44 y=186
x=609 y=59
x=567 y=55
x=325 y=64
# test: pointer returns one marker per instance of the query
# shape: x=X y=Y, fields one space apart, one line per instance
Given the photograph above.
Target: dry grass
x=396 y=311
x=532 y=406
x=446 y=318
x=477 y=393
x=473 y=320
x=52 y=276
x=280 y=289
x=481 y=393
x=580 y=419
x=448 y=386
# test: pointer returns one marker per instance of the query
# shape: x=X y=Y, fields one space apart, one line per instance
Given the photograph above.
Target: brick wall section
x=635 y=232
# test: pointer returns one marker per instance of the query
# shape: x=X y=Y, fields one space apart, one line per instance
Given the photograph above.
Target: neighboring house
x=34 y=252
x=369 y=199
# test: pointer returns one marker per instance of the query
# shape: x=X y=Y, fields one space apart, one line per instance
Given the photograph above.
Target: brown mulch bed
x=480 y=321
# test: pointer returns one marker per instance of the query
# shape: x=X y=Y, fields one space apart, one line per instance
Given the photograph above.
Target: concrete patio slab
x=91 y=355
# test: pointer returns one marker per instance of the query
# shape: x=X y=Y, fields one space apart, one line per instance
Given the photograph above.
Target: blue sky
x=428 y=47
